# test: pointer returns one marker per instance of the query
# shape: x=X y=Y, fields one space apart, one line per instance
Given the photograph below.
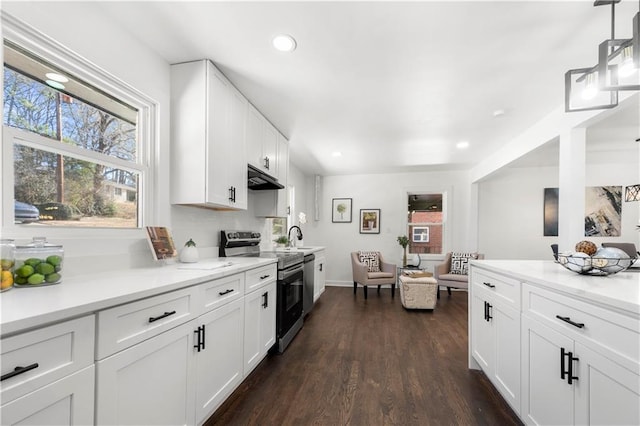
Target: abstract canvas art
x=603 y=215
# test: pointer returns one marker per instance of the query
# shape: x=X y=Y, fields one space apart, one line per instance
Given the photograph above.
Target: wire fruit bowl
x=594 y=265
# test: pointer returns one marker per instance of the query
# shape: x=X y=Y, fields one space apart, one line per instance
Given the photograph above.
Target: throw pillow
x=370 y=258
x=460 y=263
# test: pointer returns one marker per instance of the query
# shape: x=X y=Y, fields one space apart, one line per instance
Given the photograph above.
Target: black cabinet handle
x=222 y=293
x=266 y=162
x=568 y=366
x=321 y=265
x=264 y=277
x=489 y=285
x=233 y=191
x=166 y=314
x=568 y=320
x=265 y=300
x=19 y=370
x=486 y=311
x=199 y=338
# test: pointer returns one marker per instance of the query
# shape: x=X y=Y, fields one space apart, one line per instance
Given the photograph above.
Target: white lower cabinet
x=578 y=359
x=48 y=375
x=68 y=401
x=149 y=383
x=219 y=357
x=320 y=274
x=260 y=325
x=495 y=343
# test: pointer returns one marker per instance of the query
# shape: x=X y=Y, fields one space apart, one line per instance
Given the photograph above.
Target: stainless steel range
x=290 y=284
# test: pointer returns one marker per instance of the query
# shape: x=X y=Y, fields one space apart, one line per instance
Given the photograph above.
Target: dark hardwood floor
x=372 y=362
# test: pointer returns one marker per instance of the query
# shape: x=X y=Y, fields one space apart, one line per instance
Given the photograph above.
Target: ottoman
x=418 y=292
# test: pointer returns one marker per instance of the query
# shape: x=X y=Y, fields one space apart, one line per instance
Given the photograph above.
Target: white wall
x=511 y=209
x=388 y=193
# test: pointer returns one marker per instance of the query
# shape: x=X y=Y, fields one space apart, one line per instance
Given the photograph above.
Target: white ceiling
x=393 y=86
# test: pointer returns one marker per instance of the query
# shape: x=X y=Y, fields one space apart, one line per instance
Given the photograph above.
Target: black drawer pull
x=489 y=285
x=264 y=277
x=166 y=314
x=19 y=370
x=568 y=320
x=222 y=293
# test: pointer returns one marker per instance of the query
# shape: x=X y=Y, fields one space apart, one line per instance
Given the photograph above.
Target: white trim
x=147 y=126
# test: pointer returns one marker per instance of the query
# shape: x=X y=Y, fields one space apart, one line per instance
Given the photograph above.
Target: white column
x=572 y=188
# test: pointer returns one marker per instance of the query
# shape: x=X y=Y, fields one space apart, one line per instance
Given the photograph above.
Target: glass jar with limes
x=38 y=263
x=7 y=260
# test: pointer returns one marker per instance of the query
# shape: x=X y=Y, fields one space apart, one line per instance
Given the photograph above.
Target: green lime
x=33 y=261
x=25 y=271
x=53 y=278
x=45 y=268
x=55 y=260
x=20 y=280
x=36 y=279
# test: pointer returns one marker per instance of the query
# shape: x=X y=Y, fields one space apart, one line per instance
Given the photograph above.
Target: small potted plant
x=282 y=241
x=404 y=242
x=189 y=253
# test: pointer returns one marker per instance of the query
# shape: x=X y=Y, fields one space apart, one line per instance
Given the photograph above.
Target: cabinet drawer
x=126 y=325
x=221 y=291
x=618 y=335
x=258 y=277
x=505 y=288
x=45 y=355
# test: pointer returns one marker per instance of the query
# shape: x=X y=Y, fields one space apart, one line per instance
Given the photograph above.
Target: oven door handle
x=290 y=272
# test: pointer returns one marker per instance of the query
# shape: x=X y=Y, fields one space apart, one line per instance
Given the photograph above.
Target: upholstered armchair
x=369 y=268
x=445 y=276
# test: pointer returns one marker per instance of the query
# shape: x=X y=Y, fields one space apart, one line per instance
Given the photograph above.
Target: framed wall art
x=370 y=221
x=341 y=210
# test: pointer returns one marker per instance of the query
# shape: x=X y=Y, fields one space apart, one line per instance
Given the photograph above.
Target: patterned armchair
x=454 y=271
x=369 y=268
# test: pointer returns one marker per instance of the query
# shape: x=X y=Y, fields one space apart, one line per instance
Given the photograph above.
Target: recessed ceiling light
x=336 y=154
x=284 y=43
x=462 y=145
x=498 y=113
x=55 y=84
x=56 y=77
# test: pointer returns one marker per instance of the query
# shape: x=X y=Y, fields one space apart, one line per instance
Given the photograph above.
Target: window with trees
x=75 y=149
x=426 y=223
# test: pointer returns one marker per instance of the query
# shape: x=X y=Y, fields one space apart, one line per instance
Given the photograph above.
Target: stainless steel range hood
x=258 y=180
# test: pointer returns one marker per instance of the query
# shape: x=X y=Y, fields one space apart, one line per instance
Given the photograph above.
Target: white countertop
x=25 y=308
x=620 y=291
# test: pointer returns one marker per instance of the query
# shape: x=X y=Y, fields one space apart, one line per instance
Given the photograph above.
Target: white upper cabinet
x=262 y=143
x=208 y=153
x=275 y=202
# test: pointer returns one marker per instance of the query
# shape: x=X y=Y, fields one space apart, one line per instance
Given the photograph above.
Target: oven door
x=289 y=306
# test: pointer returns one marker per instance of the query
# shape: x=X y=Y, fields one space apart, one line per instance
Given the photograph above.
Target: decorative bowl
x=594 y=265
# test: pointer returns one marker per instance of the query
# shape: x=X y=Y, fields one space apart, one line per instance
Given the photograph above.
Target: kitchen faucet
x=289 y=234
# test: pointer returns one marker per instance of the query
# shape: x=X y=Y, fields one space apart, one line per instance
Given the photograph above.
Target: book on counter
x=416 y=273
x=161 y=243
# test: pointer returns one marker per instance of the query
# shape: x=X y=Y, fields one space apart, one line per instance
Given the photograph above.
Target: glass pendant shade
x=617 y=70
x=582 y=94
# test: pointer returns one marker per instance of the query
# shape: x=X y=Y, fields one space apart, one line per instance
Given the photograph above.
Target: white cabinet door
x=270 y=149
x=482 y=339
x=282 y=203
x=254 y=136
x=547 y=397
x=218 y=140
x=606 y=393
x=237 y=169
x=68 y=401
x=506 y=369
x=259 y=326
x=219 y=362
x=149 y=383
x=319 y=276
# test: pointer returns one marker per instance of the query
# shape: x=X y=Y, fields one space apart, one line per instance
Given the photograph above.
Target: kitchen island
x=561 y=348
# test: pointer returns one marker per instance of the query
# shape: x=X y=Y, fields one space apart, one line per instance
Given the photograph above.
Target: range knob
x=255 y=235
x=233 y=236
